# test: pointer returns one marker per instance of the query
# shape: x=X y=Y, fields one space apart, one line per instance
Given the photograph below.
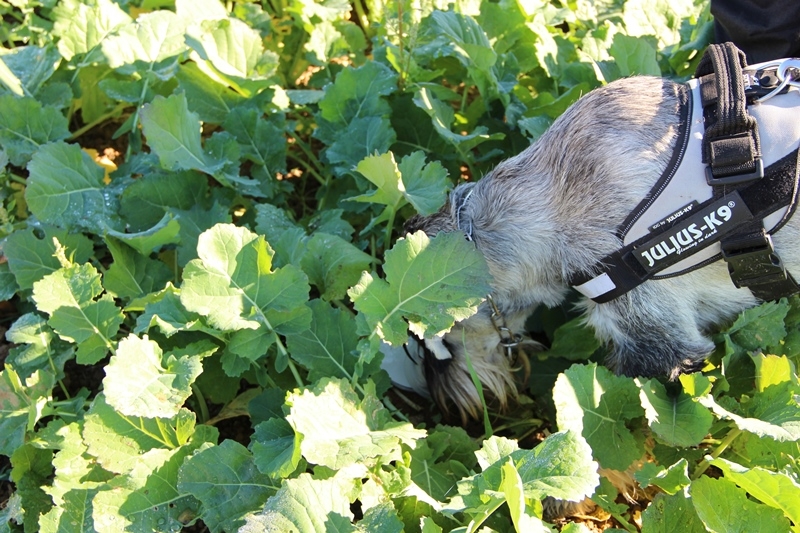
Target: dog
x=556 y=215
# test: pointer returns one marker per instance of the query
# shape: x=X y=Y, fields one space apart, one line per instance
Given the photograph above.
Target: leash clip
x=788 y=72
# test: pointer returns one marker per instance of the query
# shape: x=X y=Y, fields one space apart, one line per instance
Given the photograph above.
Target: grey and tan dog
x=559 y=210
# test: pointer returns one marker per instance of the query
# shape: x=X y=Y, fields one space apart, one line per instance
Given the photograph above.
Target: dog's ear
x=446 y=219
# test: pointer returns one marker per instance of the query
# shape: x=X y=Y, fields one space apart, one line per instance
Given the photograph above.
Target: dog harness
x=732 y=182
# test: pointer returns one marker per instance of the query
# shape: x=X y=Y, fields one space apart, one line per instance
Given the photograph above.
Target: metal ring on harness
x=784 y=76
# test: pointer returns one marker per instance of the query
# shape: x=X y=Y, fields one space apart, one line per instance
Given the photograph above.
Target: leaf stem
x=487 y=425
x=201 y=403
x=705 y=463
x=119 y=107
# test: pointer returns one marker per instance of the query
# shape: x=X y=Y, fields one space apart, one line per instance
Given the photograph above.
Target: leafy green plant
x=200 y=213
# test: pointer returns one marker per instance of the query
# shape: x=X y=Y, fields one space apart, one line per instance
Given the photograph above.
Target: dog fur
x=552 y=211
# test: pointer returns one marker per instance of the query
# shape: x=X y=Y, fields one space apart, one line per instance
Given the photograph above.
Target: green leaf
x=233 y=285
x=145 y=201
x=32 y=66
x=119 y=442
x=65 y=188
x=20 y=405
x=676 y=420
x=590 y=400
x=225 y=479
x=761 y=326
x=150 y=43
x=210 y=99
x=574 y=341
x=173 y=132
x=667 y=514
x=305 y=504
x=362 y=137
x=333 y=265
x=353 y=431
x=232 y=47
x=513 y=490
x=328 y=347
x=31 y=258
x=74 y=515
x=425 y=185
x=722 y=506
x=775 y=489
x=442 y=118
x=142 y=381
x=38 y=348
x=26 y=126
x=80 y=27
x=70 y=297
x=670 y=480
x=148 y=500
x=195 y=221
x=634 y=56
x=132 y=274
x=276 y=448
x=165 y=311
x=357 y=93
x=430 y=282
x=777 y=418
x=261 y=141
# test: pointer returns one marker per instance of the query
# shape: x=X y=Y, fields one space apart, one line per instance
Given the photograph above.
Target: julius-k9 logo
x=703 y=228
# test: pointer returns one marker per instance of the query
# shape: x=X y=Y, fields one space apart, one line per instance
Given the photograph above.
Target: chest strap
x=744 y=194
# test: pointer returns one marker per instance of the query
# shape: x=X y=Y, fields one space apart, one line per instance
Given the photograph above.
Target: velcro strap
x=731 y=153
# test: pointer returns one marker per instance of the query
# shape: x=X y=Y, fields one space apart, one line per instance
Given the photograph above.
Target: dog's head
x=488 y=347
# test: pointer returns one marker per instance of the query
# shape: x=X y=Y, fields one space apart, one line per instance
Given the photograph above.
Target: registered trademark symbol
x=731 y=204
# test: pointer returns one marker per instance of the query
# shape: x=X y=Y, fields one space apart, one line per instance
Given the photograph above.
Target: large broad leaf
x=26 y=126
x=74 y=515
x=276 y=448
x=232 y=47
x=261 y=141
x=133 y=274
x=233 y=285
x=165 y=311
x=423 y=186
x=31 y=258
x=119 y=442
x=778 y=417
x=353 y=431
x=142 y=381
x=147 y=500
x=20 y=405
x=634 y=56
x=305 y=505
x=70 y=297
x=80 y=27
x=333 y=264
x=560 y=467
x=173 y=133
x=357 y=93
x=667 y=514
x=225 y=479
x=722 y=506
x=677 y=420
x=144 y=202
x=430 y=282
x=327 y=348
x=775 y=489
x=442 y=118
x=151 y=42
x=38 y=347
x=590 y=400
x=65 y=188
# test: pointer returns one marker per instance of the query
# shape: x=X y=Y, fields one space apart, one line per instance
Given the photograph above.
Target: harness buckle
x=752 y=260
x=736 y=179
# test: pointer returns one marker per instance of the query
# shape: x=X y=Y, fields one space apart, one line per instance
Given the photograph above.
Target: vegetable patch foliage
x=200 y=213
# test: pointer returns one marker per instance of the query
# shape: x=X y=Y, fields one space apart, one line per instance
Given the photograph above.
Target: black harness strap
x=731 y=145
